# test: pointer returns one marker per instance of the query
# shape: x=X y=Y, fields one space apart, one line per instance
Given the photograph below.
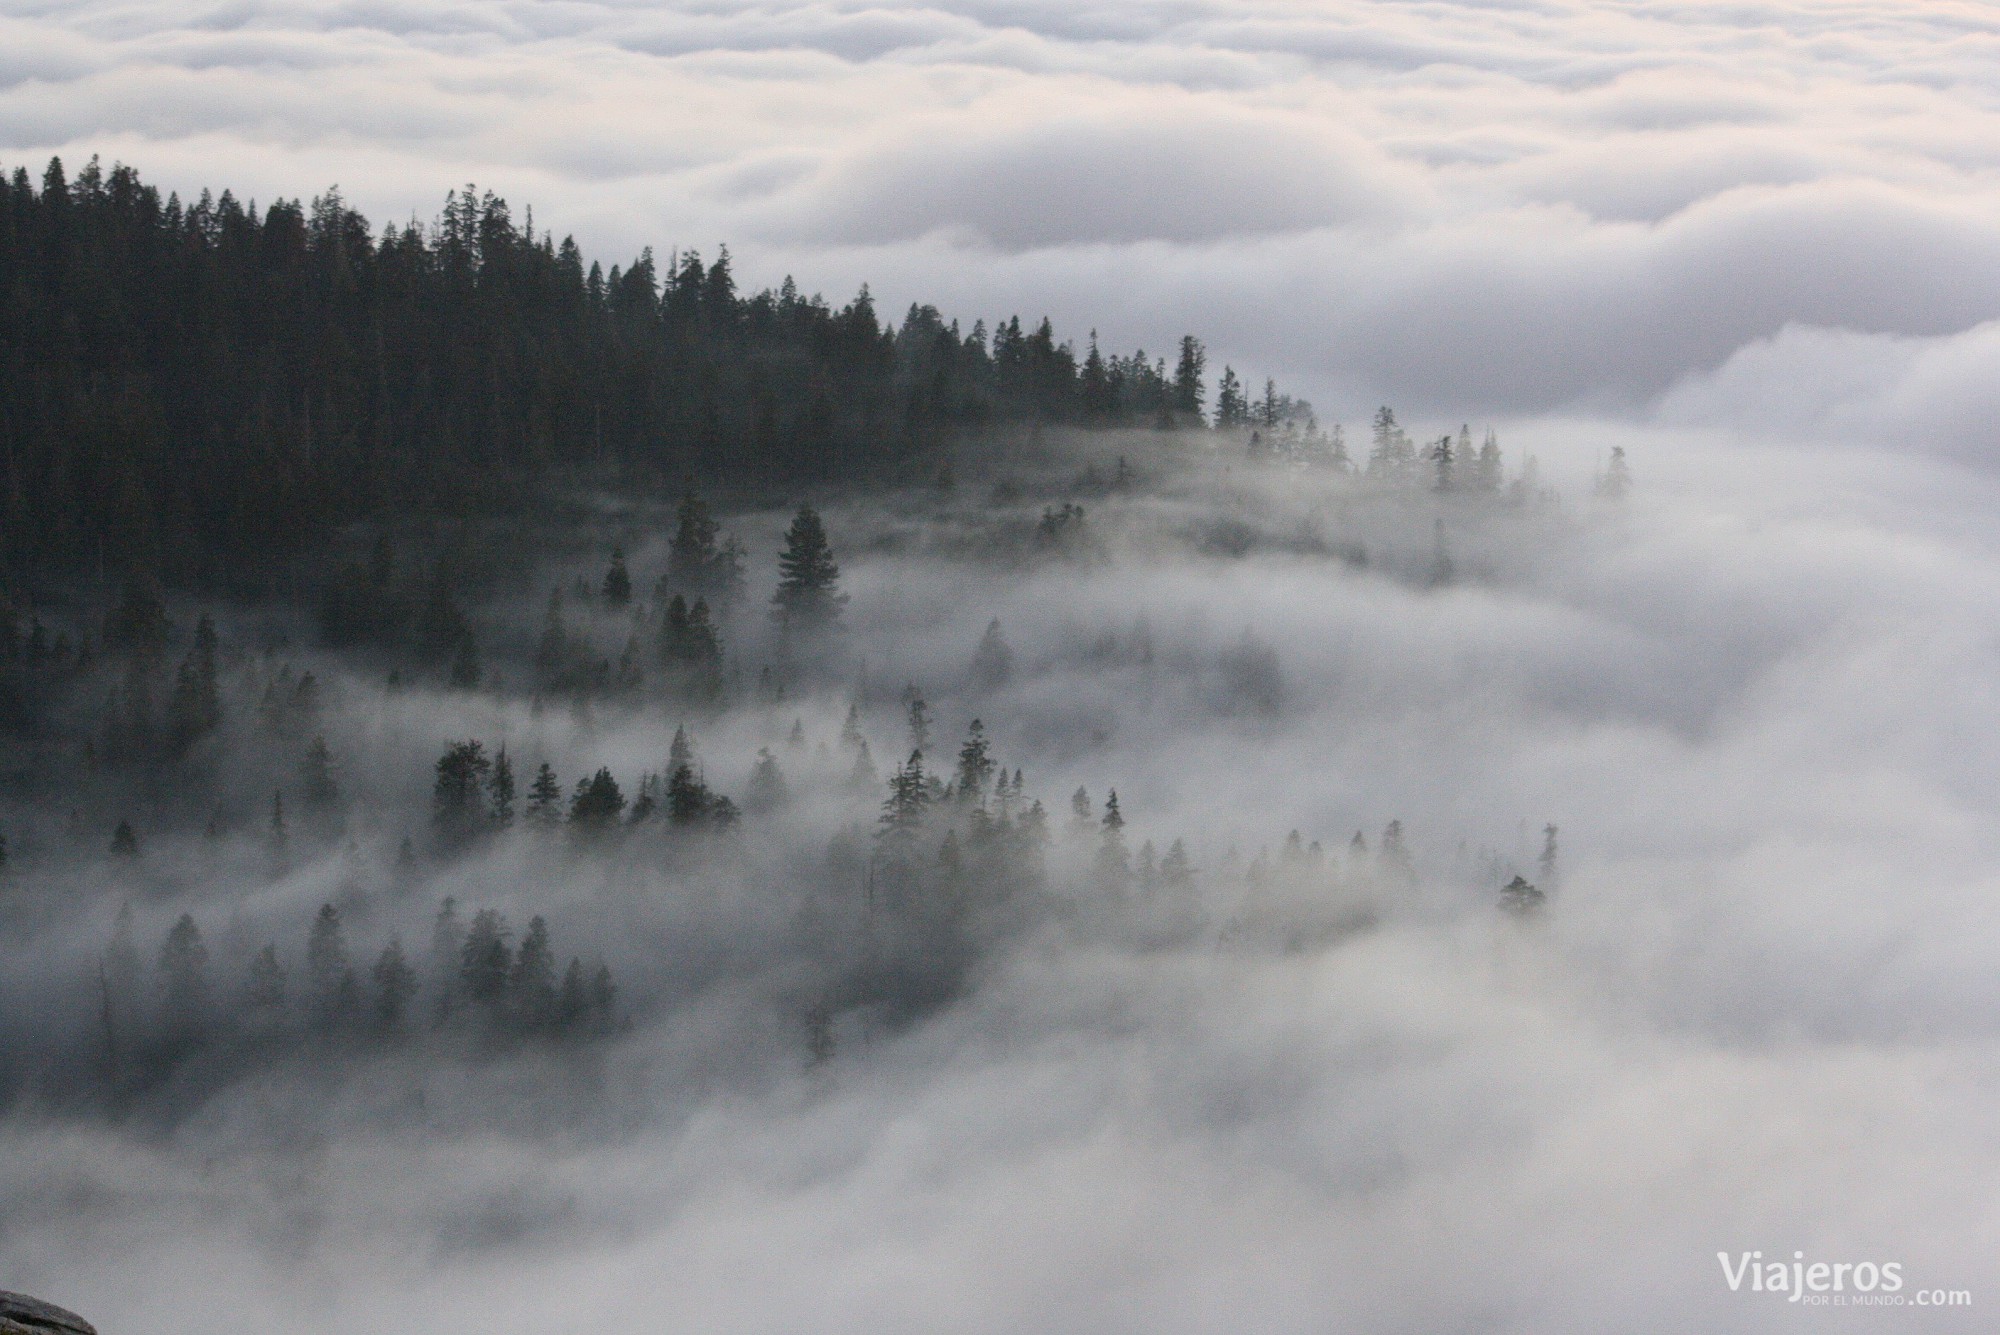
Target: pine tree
x=918 y=715
x=903 y=812
x=647 y=801
x=500 y=790
x=316 y=775
x=545 y=797
x=1384 y=445
x=603 y=997
x=690 y=648
x=532 y=984
x=992 y=661
x=597 y=804
x=395 y=985
x=327 y=968
x=975 y=766
x=265 y=990
x=1550 y=873
x=861 y=778
x=124 y=842
x=1081 y=817
x=184 y=979
x=1486 y=470
x=808 y=598
x=446 y=958
x=573 y=998
x=766 y=789
x=617 y=588
x=1114 y=862
x=1617 y=479
x=187 y=713
x=1231 y=407
x=1521 y=898
x=458 y=797
x=1189 y=394
x=485 y=959
x=692 y=555
x=689 y=801
x=1395 y=855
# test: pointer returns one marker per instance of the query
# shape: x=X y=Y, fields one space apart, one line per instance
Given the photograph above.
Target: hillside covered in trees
x=448 y=691
x=199 y=386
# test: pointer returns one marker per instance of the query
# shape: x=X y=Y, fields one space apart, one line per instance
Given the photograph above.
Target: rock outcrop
x=22 y=1315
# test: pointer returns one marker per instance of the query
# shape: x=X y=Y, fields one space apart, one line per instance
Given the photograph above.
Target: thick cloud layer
x=1758 y=1016
x=1460 y=208
x=1757 y=698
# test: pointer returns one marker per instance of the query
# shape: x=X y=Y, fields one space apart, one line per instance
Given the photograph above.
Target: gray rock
x=22 y=1315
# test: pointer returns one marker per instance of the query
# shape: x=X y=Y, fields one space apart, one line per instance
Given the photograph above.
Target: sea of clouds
x=1754 y=244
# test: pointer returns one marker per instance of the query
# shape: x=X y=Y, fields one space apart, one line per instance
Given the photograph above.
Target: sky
x=1712 y=215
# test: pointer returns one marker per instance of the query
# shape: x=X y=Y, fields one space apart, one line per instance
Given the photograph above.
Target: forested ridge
x=196 y=387
x=291 y=618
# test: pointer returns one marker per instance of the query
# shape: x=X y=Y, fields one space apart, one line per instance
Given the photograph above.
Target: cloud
x=1757 y=699
x=1183 y=174
x=1809 y=382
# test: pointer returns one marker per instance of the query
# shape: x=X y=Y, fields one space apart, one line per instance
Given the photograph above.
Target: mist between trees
x=693 y=784
x=463 y=806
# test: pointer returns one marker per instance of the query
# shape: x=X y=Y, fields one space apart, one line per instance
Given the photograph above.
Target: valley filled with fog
x=1524 y=885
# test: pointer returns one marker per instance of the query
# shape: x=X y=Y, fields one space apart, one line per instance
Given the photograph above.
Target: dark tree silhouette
x=808 y=598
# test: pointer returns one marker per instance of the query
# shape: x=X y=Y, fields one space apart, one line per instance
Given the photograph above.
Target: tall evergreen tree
x=918 y=716
x=486 y=960
x=1232 y=409
x=617 y=589
x=532 y=983
x=1190 y=395
x=692 y=552
x=766 y=790
x=597 y=804
x=316 y=779
x=903 y=812
x=329 y=976
x=808 y=598
x=545 y=797
x=446 y=958
x=458 y=797
x=975 y=766
x=1114 y=862
x=395 y=985
x=992 y=661
x=184 y=980
x=500 y=789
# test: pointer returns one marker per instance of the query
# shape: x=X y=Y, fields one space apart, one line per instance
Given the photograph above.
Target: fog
x=845 y=1084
